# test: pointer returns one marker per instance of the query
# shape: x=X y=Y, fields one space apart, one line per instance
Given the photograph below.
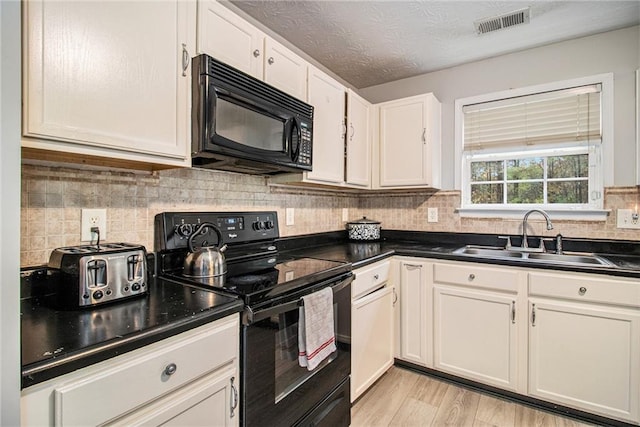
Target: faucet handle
x=559 y=248
x=508 y=245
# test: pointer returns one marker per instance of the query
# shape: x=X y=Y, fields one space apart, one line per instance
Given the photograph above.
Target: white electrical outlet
x=345 y=214
x=290 y=214
x=628 y=218
x=93 y=218
x=432 y=214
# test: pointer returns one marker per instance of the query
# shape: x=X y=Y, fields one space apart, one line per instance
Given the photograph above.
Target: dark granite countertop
x=335 y=246
x=55 y=342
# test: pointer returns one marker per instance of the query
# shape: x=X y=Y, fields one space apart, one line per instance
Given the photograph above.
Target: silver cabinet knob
x=256 y=53
x=472 y=276
x=271 y=60
x=376 y=277
x=170 y=369
x=582 y=290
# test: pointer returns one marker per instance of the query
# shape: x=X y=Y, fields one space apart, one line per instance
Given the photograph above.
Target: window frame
x=602 y=178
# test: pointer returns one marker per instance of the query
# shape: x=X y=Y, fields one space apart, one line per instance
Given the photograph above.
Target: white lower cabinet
x=567 y=338
x=188 y=379
x=371 y=326
x=416 y=332
x=475 y=331
x=585 y=354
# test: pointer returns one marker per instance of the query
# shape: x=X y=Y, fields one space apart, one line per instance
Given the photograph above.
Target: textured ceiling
x=373 y=42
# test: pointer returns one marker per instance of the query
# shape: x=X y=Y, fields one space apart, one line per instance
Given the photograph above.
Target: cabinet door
x=358 y=140
x=327 y=97
x=585 y=356
x=285 y=70
x=403 y=143
x=475 y=335
x=210 y=401
x=108 y=75
x=415 y=334
x=371 y=339
x=409 y=142
x=229 y=38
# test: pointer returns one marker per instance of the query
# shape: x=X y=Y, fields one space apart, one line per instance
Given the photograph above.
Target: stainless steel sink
x=487 y=252
x=569 y=258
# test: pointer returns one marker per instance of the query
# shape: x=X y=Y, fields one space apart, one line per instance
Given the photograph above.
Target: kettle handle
x=199 y=230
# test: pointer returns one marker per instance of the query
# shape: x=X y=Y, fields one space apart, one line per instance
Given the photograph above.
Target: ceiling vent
x=506 y=20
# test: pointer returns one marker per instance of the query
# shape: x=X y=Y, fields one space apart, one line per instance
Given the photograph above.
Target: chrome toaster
x=89 y=275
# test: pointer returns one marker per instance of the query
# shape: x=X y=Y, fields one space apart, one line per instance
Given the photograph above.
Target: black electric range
x=274 y=389
x=256 y=271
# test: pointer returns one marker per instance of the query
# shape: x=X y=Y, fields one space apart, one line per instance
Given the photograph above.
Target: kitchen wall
x=616 y=52
x=53 y=196
x=52 y=199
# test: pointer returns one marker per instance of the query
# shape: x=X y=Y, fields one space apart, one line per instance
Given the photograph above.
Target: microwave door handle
x=295 y=151
x=212 y=101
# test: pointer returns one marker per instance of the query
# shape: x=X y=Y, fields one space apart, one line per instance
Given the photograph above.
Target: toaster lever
x=132 y=265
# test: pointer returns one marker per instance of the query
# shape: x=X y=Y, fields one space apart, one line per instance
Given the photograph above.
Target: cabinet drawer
x=126 y=382
x=476 y=276
x=370 y=277
x=582 y=287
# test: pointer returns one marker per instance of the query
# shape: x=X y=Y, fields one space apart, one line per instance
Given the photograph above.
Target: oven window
x=248 y=127
x=288 y=373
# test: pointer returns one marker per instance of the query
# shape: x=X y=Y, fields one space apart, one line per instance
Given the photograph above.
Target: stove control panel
x=173 y=229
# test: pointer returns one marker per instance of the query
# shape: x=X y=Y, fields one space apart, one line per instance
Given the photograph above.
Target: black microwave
x=242 y=124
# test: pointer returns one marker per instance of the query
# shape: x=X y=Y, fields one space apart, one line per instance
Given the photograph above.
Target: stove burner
x=252 y=282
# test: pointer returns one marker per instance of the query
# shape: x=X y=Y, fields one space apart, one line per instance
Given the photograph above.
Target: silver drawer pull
x=170 y=369
x=582 y=290
x=234 y=398
x=472 y=276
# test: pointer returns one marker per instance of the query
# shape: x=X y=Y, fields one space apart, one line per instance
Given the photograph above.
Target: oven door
x=275 y=389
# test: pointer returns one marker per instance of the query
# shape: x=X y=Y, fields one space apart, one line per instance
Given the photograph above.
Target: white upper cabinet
x=229 y=38
x=285 y=70
x=109 y=79
x=409 y=143
x=358 y=141
x=327 y=97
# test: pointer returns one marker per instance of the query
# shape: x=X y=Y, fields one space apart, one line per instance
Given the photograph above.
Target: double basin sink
x=568 y=258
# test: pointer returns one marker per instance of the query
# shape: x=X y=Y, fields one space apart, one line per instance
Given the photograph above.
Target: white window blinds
x=545 y=118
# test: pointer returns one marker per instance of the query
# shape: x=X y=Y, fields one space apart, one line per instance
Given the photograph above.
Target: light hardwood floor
x=405 y=398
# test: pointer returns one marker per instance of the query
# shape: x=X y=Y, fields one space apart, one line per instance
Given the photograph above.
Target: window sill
x=517 y=213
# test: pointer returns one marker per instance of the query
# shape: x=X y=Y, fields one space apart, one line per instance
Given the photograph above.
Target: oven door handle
x=249 y=316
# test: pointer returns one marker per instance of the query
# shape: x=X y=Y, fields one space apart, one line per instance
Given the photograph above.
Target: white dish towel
x=316 y=334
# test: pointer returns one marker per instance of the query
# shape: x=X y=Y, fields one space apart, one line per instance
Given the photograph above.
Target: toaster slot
x=96 y=273
x=134 y=268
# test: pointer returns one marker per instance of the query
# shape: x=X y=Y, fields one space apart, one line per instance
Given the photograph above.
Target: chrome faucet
x=525 y=244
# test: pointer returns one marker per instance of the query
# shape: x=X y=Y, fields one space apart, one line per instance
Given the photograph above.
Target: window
x=537 y=147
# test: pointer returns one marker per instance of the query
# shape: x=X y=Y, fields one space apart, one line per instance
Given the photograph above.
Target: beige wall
x=616 y=52
x=52 y=199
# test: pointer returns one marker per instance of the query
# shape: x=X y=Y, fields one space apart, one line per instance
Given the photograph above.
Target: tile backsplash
x=52 y=199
